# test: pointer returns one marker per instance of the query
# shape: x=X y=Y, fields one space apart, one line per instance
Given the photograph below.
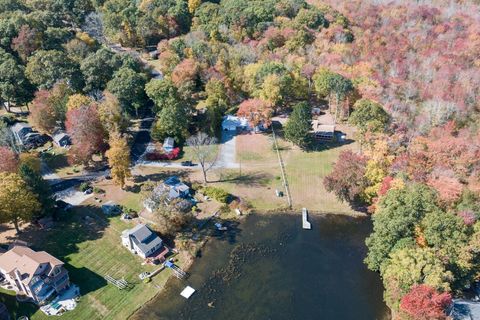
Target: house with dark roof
x=26 y=136
x=141 y=241
x=62 y=139
x=35 y=274
x=463 y=309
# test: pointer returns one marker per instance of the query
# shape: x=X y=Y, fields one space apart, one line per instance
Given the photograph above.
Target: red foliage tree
x=8 y=160
x=347 y=179
x=425 y=303
x=26 y=42
x=185 y=71
x=86 y=132
x=256 y=111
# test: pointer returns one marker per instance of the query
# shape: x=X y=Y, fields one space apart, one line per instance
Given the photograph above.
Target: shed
x=168 y=144
x=62 y=139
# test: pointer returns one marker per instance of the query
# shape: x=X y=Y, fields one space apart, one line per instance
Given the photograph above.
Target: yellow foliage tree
x=193 y=5
x=75 y=101
x=110 y=112
x=379 y=161
x=17 y=202
x=32 y=160
x=119 y=158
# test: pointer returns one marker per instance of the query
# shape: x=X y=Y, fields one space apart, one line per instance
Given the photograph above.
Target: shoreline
x=241 y=219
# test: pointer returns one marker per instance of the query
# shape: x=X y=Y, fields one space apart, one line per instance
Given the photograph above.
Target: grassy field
x=260 y=174
x=92 y=249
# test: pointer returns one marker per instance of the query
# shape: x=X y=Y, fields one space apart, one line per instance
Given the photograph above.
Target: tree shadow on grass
x=256 y=179
x=160 y=176
x=80 y=224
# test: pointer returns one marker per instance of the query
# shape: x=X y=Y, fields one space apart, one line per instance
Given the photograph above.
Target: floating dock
x=187 y=292
x=305 y=224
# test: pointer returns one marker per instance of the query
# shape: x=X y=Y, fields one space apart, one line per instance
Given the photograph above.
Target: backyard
x=90 y=246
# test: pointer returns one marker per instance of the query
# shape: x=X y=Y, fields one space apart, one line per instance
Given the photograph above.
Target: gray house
x=25 y=135
x=62 y=139
x=141 y=241
x=172 y=188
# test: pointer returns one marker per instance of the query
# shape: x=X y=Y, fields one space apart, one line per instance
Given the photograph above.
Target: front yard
x=91 y=249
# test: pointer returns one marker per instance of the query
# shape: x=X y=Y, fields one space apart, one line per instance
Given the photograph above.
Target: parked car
x=187 y=163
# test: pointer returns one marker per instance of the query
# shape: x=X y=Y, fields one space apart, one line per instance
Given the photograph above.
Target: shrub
x=156 y=155
x=84 y=186
x=98 y=190
x=217 y=194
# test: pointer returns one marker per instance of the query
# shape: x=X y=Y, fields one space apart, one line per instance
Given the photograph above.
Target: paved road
x=228 y=151
x=142 y=139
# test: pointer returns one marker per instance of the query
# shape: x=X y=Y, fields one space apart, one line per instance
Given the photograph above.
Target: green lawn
x=305 y=173
x=91 y=251
x=57 y=161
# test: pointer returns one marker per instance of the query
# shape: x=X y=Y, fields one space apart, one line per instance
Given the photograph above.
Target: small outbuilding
x=62 y=139
x=168 y=144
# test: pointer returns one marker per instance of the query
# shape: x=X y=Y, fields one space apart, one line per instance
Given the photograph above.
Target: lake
x=270 y=268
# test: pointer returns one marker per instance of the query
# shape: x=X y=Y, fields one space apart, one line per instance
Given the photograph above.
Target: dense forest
x=405 y=74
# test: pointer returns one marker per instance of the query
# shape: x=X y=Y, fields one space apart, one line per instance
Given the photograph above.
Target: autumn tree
x=119 y=158
x=78 y=100
x=347 y=179
x=17 y=202
x=413 y=266
x=26 y=42
x=256 y=111
x=423 y=302
x=193 y=5
x=111 y=114
x=85 y=128
x=299 y=125
x=48 y=108
x=205 y=150
x=8 y=160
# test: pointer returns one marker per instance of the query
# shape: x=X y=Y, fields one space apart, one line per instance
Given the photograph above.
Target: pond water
x=272 y=269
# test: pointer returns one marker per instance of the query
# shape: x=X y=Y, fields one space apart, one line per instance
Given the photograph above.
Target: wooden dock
x=305 y=224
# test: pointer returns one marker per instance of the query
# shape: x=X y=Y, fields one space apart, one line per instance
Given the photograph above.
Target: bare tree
x=205 y=149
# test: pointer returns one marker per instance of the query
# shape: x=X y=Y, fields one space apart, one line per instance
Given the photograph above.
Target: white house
x=232 y=123
x=141 y=241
